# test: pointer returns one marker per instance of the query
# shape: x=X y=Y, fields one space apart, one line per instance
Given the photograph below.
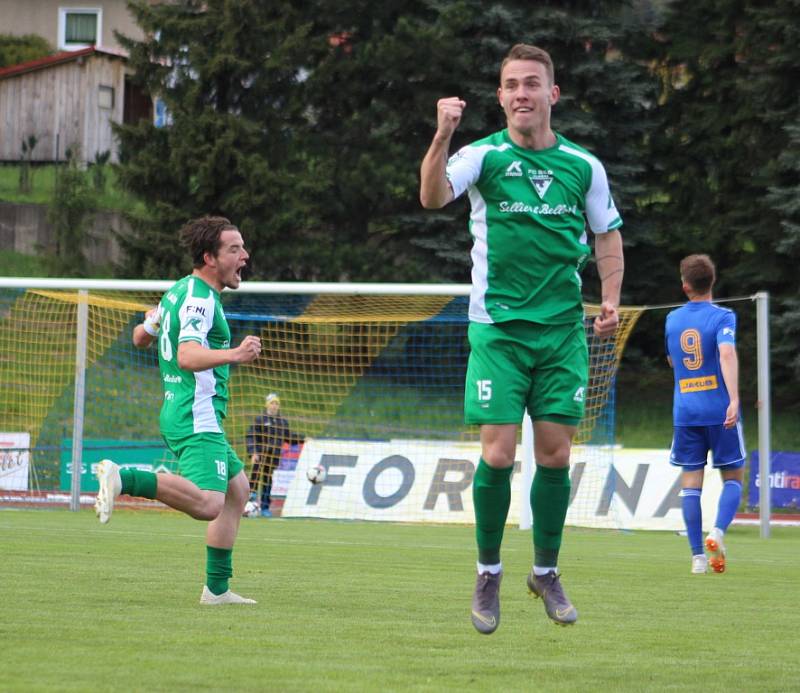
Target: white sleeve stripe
x=601 y=211
x=464 y=167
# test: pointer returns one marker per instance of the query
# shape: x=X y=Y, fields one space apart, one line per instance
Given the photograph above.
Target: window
x=79 y=27
x=105 y=96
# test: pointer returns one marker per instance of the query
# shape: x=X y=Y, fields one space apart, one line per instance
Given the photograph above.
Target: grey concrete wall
x=25 y=229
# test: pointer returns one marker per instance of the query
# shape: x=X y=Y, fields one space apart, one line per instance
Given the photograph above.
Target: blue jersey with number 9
x=693 y=334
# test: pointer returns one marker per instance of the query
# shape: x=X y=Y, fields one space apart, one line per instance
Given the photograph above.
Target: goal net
x=371 y=377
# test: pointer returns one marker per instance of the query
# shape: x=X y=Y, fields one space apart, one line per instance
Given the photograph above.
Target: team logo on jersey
x=727 y=330
x=540 y=180
x=458 y=155
x=514 y=169
x=192 y=324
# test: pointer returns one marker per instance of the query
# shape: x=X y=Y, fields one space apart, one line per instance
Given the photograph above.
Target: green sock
x=491 y=496
x=219 y=568
x=136 y=482
x=549 y=503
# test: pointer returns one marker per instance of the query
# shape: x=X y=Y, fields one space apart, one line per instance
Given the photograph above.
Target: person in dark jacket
x=265 y=438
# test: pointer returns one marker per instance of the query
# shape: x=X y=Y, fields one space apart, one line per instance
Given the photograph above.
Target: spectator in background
x=265 y=439
x=701 y=348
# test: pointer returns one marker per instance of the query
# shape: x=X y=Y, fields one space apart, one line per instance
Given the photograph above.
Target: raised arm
x=434 y=189
x=610 y=267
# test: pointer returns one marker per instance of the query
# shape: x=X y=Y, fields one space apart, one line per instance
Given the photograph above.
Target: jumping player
x=532 y=194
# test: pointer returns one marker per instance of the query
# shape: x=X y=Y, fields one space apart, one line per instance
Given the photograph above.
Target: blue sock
x=729 y=501
x=693 y=517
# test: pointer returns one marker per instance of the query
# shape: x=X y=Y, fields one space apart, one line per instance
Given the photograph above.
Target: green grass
x=113 y=197
x=13 y=264
x=351 y=606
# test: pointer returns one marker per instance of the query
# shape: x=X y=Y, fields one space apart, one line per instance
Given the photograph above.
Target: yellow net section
x=376 y=373
x=604 y=356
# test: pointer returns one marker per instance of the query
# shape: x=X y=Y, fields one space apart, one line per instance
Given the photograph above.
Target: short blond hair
x=524 y=51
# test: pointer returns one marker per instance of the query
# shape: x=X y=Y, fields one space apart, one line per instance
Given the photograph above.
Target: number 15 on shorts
x=484 y=390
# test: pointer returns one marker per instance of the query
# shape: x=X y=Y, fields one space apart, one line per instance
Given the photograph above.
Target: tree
x=21 y=49
x=377 y=96
x=306 y=123
x=774 y=68
x=226 y=71
x=25 y=159
x=729 y=106
x=70 y=208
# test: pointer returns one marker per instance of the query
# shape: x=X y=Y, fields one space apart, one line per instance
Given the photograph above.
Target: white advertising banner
x=14 y=460
x=430 y=481
x=281 y=480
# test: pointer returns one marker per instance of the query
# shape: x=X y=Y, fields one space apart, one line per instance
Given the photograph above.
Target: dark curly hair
x=202 y=235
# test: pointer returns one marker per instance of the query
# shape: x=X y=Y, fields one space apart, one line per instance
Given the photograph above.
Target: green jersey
x=528 y=222
x=191 y=311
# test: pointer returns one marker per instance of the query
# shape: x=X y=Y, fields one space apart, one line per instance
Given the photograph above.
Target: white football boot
x=699 y=564
x=225 y=598
x=110 y=488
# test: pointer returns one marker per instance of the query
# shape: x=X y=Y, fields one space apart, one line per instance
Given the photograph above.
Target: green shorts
x=205 y=459
x=520 y=365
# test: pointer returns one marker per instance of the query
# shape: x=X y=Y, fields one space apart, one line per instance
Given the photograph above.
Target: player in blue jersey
x=701 y=348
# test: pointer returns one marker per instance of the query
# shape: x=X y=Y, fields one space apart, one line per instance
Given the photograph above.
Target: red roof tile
x=56 y=59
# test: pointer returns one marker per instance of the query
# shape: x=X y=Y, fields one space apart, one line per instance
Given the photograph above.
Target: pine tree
x=377 y=111
x=774 y=71
x=227 y=72
x=725 y=148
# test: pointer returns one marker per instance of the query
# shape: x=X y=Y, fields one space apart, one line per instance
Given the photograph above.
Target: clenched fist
x=448 y=115
x=249 y=350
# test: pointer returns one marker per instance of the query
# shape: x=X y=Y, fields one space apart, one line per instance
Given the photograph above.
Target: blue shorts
x=691 y=445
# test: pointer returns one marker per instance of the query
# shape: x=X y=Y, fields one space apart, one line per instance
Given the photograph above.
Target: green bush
x=21 y=49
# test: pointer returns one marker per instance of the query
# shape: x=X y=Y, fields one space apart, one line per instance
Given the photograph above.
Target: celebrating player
x=194 y=355
x=701 y=348
x=531 y=192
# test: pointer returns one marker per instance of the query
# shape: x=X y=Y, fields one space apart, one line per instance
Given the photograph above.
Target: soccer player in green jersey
x=194 y=355
x=533 y=193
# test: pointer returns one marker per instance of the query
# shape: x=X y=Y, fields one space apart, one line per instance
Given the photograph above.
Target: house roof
x=56 y=59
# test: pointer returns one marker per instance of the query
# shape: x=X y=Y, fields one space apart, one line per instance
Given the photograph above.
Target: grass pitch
x=351 y=606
